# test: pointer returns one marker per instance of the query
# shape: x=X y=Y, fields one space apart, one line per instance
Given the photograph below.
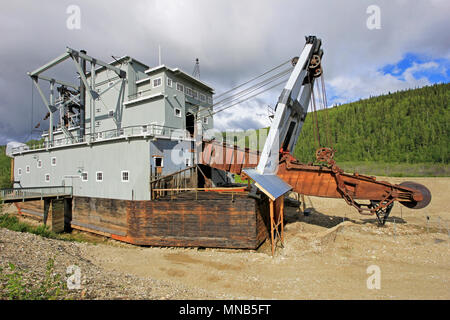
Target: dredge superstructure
x=125 y=156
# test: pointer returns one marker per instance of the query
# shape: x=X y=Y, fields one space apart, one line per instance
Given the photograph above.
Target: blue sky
x=437 y=70
x=411 y=71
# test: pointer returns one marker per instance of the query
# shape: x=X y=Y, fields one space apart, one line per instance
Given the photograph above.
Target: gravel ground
x=30 y=253
x=326 y=255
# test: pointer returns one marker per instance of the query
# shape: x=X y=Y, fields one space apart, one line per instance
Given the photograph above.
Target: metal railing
x=26 y=193
x=132 y=131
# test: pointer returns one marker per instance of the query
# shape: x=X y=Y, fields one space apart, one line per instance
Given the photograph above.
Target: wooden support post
x=12 y=171
x=281 y=217
x=67 y=214
x=54 y=214
x=276 y=221
x=272 y=205
x=46 y=209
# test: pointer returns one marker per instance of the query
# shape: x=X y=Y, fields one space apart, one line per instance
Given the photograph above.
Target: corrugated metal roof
x=269 y=184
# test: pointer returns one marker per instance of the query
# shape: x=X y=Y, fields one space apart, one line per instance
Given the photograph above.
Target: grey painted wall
x=108 y=157
x=176 y=154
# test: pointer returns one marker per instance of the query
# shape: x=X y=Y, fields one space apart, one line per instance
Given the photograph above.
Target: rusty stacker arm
x=331 y=182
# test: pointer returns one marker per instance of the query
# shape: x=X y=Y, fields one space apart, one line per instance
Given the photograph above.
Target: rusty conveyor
x=326 y=180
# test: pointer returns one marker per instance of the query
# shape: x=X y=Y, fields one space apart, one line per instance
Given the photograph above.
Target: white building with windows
x=139 y=124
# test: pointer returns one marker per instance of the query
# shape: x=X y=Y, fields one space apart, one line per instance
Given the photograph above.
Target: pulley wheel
x=419 y=188
x=315 y=61
x=317 y=72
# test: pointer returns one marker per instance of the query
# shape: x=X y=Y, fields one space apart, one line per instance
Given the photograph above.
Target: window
x=144 y=129
x=169 y=82
x=180 y=87
x=53 y=161
x=98 y=110
x=202 y=97
x=125 y=176
x=156 y=82
x=177 y=112
x=111 y=113
x=205 y=120
x=188 y=162
x=97 y=123
x=194 y=94
x=27 y=170
x=47 y=177
x=84 y=176
x=209 y=99
x=19 y=171
x=189 y=92
x=111 y=83
x=39 y=164
x=99 y=176
x=158 y=162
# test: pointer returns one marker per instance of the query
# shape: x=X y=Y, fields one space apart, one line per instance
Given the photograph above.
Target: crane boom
x=291 y=110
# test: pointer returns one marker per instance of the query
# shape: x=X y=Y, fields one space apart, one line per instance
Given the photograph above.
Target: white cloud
x=234 y=40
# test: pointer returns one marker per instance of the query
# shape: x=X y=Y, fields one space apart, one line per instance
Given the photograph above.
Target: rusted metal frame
x=399 y=193
x=349 y=199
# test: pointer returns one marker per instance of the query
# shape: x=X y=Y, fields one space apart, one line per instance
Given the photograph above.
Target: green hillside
x=5 y=164
x=409 y=126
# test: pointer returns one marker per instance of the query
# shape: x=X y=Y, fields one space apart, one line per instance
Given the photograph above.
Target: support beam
x=83 y=77
x=52 y=103
x=92 y=131
x=63 y=83
x=52 y=63
x=276 y=208
x=50 y=107
x=84 y=86
x=84 y=56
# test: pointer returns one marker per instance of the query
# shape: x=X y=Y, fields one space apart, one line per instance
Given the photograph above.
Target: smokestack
x=82 y=98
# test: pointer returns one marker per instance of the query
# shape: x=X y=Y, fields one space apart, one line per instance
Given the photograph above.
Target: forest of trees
x=410 y=126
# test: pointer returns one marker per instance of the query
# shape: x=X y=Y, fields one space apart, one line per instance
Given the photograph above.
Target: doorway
x=190 y=121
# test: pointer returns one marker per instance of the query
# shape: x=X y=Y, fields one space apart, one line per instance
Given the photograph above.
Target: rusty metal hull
x=209 y=219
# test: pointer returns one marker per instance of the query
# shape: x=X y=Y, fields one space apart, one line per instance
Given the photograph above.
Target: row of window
x=38 y=165
x=192 y=93
x=125 y=176
x=180 y=87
